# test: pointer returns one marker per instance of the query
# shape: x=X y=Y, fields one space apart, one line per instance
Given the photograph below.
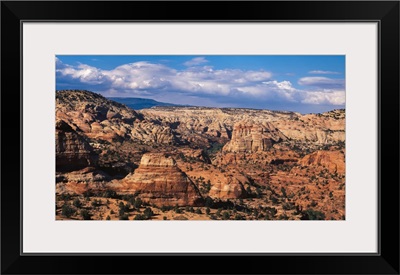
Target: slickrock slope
x=218 y=123
x=334 y=161
x=80 y=181
x=251 y=137
x=159 y=181
x=100 y=118
x=73 y=152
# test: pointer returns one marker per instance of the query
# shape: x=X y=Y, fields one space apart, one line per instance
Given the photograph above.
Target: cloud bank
x=322 y=72
x=199 y=84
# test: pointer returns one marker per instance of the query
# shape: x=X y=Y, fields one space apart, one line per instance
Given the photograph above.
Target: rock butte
x=250 y=137
x=159 y=181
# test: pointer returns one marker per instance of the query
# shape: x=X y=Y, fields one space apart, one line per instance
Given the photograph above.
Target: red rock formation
x=100 y=118
x=249 y=137
x=73 y=152
x=229 y=188
x=159 y=181
x=334 y=161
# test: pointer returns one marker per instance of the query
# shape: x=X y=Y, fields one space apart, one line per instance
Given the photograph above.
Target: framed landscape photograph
x=178 y=137
x=254 y=135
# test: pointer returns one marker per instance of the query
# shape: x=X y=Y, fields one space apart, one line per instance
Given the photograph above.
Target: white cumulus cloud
x=195 y=61
x=322 y=72
x=321 y=82
x=199 y=84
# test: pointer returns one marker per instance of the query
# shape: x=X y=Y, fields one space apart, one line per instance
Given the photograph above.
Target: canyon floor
x=196 y=163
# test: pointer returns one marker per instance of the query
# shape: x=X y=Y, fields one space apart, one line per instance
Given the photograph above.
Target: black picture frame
x=386 y=13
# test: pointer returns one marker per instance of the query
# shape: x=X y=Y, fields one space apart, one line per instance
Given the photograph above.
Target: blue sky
x=302 y=83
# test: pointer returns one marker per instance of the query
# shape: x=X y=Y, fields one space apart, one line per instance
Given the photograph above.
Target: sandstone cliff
x=201 y=122
x=73 y=152
x=250 y=137
x=100 y=118
x=159 y=181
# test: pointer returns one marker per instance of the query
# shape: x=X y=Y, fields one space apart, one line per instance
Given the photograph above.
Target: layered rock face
x=334 y=161
x=80 y=181
x=73 y=152
x=159 y=181
x=250 y=137
x=194 y=122
x=100 y=118
x=230 y=188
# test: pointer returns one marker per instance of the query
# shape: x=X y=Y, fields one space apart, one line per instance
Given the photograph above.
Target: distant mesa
x=159 y=181
x=250 y=137
x=141 y=103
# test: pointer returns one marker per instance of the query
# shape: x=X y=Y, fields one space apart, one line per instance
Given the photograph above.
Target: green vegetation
x=148 y=213
x=85 y=214
x=67 y=210
x=77 y=203
x=124 y=217
x=311 y=214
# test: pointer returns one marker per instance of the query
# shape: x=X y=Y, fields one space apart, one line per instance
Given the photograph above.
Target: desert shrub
x=288 y=206
x=67 y=210
x=209 y=202
x=198 y=211
x=283 y=190
x=283 y=217
x=255 y=213
x=109 y=194
x=270 y=211
x=77 y=203
x=166 y=208
x=108 y=218
x=225 y=215
x=140 y=217
x=124 y=217
x=208 y=210
x=258 y=192
x=96 y=203
x=88 y=194
x=138 y=203
x=65 y=197
x=177 y=209
x=215 y=147
x=122 y=208
x=85 y=214
x=248 y=190
x=239 y=217
x=148 y=213
x=129 y=198
x=273 y=199
x=311 y=214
